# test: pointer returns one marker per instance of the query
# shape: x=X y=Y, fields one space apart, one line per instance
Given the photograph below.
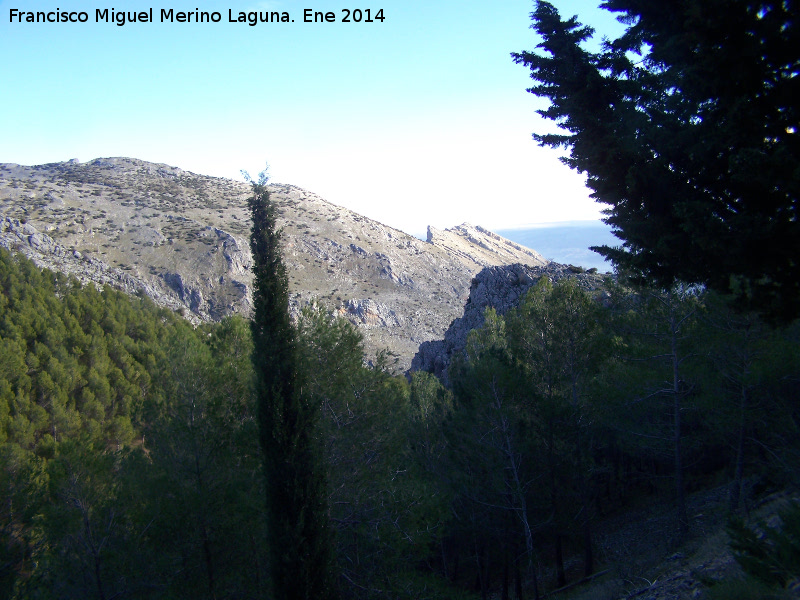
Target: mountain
x=182 y=239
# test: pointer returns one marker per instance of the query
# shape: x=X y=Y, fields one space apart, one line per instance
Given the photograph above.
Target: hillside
x=106 y=401
x=501 y=288
x=182 y=239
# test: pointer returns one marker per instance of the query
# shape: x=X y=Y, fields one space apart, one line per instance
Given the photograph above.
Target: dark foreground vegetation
x=130 y=462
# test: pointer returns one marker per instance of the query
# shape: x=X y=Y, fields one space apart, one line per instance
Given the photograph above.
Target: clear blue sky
x=421 y=119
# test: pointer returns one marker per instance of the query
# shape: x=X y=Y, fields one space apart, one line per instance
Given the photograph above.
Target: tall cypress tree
x=299 y=534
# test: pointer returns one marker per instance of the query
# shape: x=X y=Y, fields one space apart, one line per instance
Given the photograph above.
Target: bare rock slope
x=182 y=239
x=500 y=287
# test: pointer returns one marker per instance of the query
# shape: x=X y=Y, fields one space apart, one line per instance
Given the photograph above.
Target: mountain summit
x=182 y=239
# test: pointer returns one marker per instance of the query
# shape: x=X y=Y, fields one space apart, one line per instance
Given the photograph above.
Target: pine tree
x=298 y=530
x=687 y=128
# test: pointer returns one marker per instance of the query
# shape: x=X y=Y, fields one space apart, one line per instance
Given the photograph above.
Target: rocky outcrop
x=499 y=287
x=474 y=245
x=16 y=236
x=183 y=239
x=369 y=313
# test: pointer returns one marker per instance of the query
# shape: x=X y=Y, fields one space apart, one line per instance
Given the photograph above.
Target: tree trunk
x=504 y=593
x=680 y=496
x=588 y=555
x=480 y=582
x=562 y=578
x=734 y=497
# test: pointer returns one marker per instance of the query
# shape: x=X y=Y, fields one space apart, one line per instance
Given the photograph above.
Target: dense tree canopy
x=687 y=126
x=130 y=464
x=127 y=446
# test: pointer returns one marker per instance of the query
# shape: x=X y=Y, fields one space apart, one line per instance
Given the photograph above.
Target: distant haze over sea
x=566 y=242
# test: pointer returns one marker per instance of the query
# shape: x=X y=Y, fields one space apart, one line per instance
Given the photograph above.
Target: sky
x=421 y=119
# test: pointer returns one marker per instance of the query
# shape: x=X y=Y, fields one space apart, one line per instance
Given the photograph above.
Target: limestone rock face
x=183 y=239
x=499 y=287
x=369 y=313
x=478 y=246
x=16 y=236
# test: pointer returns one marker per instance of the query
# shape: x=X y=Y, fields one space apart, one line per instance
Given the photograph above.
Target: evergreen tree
x=555 y=338
x=494 y=469
x=659 y=382
x=298 y=529
x=687 y=128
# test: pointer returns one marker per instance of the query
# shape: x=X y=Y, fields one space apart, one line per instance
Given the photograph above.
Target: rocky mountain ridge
x=182 y=239
x=499 y=287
